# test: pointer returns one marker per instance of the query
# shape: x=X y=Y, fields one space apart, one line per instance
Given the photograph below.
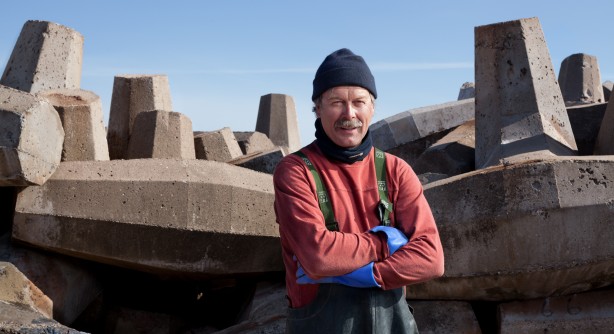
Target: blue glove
x=396 y=238
x=359 y=278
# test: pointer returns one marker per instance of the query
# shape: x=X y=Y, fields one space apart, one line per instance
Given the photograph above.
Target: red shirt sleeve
x=422 y=258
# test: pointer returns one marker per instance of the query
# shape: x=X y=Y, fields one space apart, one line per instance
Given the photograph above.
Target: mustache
x=348 y=123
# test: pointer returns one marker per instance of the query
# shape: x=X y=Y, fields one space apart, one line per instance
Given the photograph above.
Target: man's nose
x=349 y=111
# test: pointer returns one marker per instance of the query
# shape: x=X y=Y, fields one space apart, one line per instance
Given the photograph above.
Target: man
x=353 y=234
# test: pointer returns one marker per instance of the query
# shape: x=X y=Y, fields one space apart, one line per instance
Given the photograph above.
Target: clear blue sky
x=222 y=56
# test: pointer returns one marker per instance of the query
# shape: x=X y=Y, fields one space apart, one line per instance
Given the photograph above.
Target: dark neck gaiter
x=334 y=151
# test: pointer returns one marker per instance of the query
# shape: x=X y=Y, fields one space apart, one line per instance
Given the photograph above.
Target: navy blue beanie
x=343 y=68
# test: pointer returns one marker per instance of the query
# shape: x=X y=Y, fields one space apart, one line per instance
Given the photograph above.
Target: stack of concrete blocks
x=580 y=80
x=218 y=145
x=222 y=145
x=410 y=133
x=451 y=155
x=81 y=113
x=133 y=94
x=47 y=57
x=527 y=235
x=277 y=120
x=531 y=224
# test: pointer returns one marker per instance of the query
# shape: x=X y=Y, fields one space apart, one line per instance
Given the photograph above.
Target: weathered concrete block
x=591 y=312
x=80 y=111
x=604 y=145
x=70 y=283
x=418 y=123
x=585 y=122
x=162 y=135
x=131 y=95
x=268 y=312
x=467 y=91
x=124 y=212
x=218 y=145
x=524 y=231
x=451 y=155
x=46 y=56
x=580 y=80
x=444 y=317
x=429 y=177
x=253 y=142
x=607 y=89
x=264 y=162
x=410 y=152
x=519 y=108
x=15 y=287
x=31 y=138
x=128 y=320
x=277 y=119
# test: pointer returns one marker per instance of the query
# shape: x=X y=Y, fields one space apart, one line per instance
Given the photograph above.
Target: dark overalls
x=343 y=309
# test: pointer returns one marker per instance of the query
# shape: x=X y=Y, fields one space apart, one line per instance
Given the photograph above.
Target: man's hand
x=359 y=278
x=396 y=238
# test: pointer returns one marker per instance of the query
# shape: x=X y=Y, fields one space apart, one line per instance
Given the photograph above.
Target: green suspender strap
x=384 y=207
x=325 y=205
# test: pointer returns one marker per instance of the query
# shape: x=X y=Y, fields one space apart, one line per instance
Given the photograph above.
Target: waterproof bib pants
x=342 y=309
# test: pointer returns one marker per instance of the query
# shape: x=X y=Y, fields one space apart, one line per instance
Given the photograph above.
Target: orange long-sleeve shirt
x=354 y=196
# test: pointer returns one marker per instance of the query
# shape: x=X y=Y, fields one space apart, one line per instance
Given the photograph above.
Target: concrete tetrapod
x=191 y=218
x=531 y=230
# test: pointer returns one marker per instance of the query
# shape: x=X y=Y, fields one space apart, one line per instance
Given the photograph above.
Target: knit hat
x=343 y=68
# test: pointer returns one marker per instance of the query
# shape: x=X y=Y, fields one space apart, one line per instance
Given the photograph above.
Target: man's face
x=346 y=113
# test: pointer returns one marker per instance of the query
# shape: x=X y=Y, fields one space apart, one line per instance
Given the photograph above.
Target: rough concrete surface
x=162 y=135
x=85 y=137
x=31 y=138
x=218 y=145
x=264 y=162
x=277 y=119
x=518 y=105
x=69 y=283
x=513 y=232
x=19 y=319
x=46 y=55
x=133 y=94
x=15 y=287
x=591 y=312
x=418 y=123
x=444 y=317
x=580 y=80
x=193 y=217
x=253 y=142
